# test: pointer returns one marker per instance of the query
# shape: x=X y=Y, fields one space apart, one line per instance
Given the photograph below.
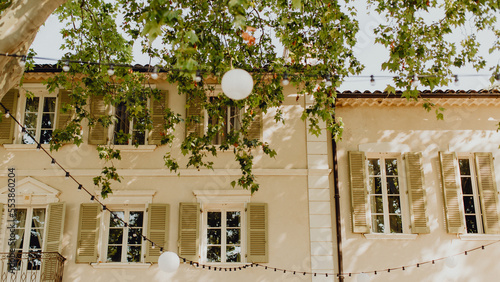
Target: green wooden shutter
x=157 y=113
x=257 y=226
x=63 y=119
x=416 y=193
x=194 y=109
x=88 y=233
x=359 y=193
x=255 y=128
x=488 y=192
x=53 y=239
x=7 y=125
x=158 y=223
x=189 y=216
x=452 y=193
x=98 y=134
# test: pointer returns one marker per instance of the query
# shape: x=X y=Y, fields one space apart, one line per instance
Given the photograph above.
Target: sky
x=372 y=55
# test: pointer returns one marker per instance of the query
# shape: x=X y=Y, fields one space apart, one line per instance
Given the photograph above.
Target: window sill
x=24 y=147
x=391 y=236
x=131 y=148
x=224 y=265
x=120 y=265
x=479 y=237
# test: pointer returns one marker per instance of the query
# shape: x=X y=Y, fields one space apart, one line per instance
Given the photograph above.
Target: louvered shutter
x=359 y=193
x=157 y=113
x=98 y=134
x=194 y=109
x=158 y=223
x=63 y=119
x=416 y=193
x=53 y=239
x=488 y=192
x=7 y=125
x=257 y=226
x=255 y=128
x=189 y=215
x=452 y=194
x=88 y=233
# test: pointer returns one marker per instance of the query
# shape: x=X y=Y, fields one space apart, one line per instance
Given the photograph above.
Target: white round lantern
x=237 y=84
x=451 y=262
x=363 y=277
x=168 y=262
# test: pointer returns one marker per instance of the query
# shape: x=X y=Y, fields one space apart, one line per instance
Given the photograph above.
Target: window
x=29 y=230
x=39 y=118
x=472 y=203
x=385 y=196
x=223 y=233
x=232 y=121
x=125 y=242
x=124 y=126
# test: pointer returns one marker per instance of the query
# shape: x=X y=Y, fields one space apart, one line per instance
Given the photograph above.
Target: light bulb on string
x=372 y=80
x=328 y=82
x=198 y=77
x=22 y=62
x=414 y=80
x=285 y=80
x=7 y=114
x=456 y=81
x=154 y=75
x=111 y=70
x=66 y=66
x=497 y=77
x=53 y=162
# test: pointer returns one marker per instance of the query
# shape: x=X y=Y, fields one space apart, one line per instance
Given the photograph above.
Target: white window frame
x=105 y=242
x=475 y=192
x=37 y=91
x=222 y=199
x=229 y=125
x=111 y=133
x=403 y=199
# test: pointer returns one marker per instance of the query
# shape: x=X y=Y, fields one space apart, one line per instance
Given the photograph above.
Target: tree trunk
x=19 y=24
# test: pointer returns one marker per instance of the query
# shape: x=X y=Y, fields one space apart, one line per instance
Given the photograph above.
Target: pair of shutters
x=359 y=193
x=52 y=242
x=10 y=102
x=194 y=109
x=257 y=226
x=98 y=134
x=88 y=231
x=452 y=192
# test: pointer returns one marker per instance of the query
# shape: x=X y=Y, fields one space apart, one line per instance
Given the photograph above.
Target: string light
x=372 y=80
x=53 y=162
x=456 y=80
x=328 y=82
x=7 y=114
x=111 y=70
x=285 y=80
x=198 y=77
x=66 y=66
x=414 y=80
x=67 y=175
x=22 y=62
x=154 y=75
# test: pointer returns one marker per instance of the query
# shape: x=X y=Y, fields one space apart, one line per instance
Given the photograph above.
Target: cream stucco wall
x=467 y=127
x=285 y=184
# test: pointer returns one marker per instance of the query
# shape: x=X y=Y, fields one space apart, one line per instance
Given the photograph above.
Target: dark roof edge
x=494 y=93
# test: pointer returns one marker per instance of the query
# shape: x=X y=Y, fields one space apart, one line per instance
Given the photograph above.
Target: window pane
x=49 y=105
x=469 y=204
x=233 y=254
x=394 y=204
x=391 y=167
x=466 y=185
x=471 y=222
x=136 y=219
x=48 y=121
x=113 y=222
x=34 y=260
x=233 y=236
x=45 y=136
x=27 y=139
x=392 y=185
x=214 y=236
x=122 y=125
x=377 y=204
x=374 y=166
x=214 y=219
x=114 y=253
x=30 y=120
x=134 y=254
x=464 y=166
x=378 y=224
x=20 y=218
x=36 y=238
x=115 y=236
x=375 y=185
x=137 y=239
x=396 y=224
x=32 y=104
x=19 y=238
x=233 y=219
x=138 y=137
x=213 y=254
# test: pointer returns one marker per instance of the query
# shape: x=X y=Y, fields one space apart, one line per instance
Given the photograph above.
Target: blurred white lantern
x=363 y=277
x=237 y=84
x=451 y=262
x=168 y=262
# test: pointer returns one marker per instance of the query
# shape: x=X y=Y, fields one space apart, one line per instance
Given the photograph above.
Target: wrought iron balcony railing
x=31 y=267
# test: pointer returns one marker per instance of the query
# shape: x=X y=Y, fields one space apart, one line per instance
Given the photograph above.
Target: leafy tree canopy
x=214 y=36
